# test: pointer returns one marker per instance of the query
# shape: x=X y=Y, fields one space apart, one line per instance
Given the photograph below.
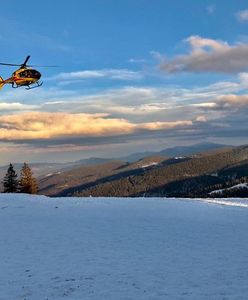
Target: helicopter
x=25 y=76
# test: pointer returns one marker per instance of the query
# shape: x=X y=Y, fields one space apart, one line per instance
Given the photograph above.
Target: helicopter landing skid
x=34 y=87
x=28 y=87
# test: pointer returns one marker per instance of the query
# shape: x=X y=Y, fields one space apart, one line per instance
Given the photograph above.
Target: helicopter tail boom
x=2 y=82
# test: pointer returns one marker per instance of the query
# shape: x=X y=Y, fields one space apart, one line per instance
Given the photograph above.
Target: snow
x=122 y=249
x=237 y=186
x=50 y=174
x=150 y=164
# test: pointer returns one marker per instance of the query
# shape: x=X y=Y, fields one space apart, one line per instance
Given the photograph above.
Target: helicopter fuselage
x=25 y=77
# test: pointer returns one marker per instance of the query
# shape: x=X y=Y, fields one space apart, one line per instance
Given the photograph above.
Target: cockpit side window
x=22 y=74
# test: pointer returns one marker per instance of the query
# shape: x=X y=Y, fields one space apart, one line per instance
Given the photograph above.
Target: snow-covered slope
x=122 y=249
x=234 y=187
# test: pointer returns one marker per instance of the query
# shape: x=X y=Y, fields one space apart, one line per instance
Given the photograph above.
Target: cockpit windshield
x=30 y=74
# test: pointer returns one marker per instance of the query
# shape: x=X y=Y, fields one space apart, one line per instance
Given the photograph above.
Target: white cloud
x=201 y=119
x=242 y=15
x=157 y=55
x=16 y=106
x=208 y=55
x=145 y=101
x=137 y=60
x=211 y=9
x=118 y=74
x=205 y=105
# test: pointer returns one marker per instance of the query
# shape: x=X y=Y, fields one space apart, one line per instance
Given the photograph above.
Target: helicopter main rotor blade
x=29 y=66
x=13 y=65
x=40 y=66
x=24 y=64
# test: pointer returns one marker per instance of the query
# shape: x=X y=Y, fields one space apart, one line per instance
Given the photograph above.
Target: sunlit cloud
x=225 y=102
x=205 y=105
x=163 y=125
x=232 y=101
x=41 y=125
x=208 y=55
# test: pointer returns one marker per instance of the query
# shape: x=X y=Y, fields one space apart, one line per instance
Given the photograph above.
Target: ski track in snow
x=123 y=248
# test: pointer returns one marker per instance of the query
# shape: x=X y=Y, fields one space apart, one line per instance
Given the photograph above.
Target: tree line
x=25 y=184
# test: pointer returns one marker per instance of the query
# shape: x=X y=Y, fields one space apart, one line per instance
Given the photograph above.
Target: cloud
x=211 y=9
x=117 y=74
x=120 y=115
x=224 y=103
x=138 y=103
x=201 y=119
x=224 y=106
x=205 y=105
x=208 y=55
x=232 y=101
x=137 y=60
x=242 y=15
x=164 y=125
x=42 y=125
x=16 y=106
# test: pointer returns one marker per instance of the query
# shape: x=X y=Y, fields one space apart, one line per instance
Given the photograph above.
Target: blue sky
x=133 y=76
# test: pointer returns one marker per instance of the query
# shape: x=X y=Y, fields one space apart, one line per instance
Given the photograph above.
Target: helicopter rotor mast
x=25 y=62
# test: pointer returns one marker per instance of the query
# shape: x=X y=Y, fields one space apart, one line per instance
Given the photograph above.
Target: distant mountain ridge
x=175 y=151
x=193 y=149
x=90 y=174
x=41 y=169
x=192 y=176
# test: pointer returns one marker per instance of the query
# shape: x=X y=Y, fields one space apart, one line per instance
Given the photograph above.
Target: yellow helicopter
x=24 y=76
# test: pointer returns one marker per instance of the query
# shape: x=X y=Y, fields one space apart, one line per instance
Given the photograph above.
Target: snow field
x=107 y=248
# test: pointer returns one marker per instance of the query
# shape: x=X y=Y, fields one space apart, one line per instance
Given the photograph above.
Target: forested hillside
x=190 y=177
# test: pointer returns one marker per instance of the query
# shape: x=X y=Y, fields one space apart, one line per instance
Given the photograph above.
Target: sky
x=132 y=76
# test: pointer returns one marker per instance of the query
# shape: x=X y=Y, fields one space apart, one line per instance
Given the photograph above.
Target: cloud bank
x=209 y=55
x=42 y=125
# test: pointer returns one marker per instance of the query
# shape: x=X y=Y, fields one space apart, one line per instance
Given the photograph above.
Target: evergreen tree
x=10 y=182
x=28 y=183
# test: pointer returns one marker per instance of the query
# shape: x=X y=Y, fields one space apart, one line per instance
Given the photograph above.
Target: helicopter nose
x=37 y=75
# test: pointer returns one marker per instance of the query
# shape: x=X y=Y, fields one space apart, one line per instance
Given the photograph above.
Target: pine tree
x=10 y=182
x=28 y=183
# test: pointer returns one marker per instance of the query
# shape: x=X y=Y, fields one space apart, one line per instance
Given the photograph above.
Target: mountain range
x=195 y=174
x=190 y=171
